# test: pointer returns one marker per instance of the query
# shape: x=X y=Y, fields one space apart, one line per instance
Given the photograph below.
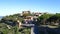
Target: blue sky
x=8 y=7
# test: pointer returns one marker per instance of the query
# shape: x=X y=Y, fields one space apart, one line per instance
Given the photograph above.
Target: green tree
x=12 y=18
x=44 y=17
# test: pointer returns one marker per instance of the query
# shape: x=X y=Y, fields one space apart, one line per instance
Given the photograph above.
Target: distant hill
x=1 y=17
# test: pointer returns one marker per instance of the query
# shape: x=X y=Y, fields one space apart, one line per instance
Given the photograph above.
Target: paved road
x=29 y=25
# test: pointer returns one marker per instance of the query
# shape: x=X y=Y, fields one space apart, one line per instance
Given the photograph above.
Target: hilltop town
x=26 y=20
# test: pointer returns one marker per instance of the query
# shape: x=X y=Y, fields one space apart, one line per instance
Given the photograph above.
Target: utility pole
x=32 y=30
